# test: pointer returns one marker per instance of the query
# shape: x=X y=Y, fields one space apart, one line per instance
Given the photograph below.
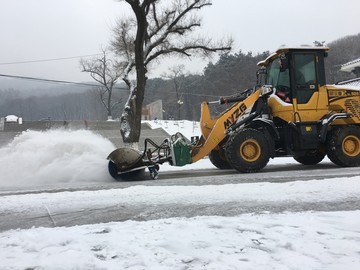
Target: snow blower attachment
x=314 y=120
x=125 y=163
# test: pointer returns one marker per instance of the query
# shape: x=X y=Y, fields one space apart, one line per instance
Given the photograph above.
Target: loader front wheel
x=218 y=159
x=247 y=150
x=343 y=146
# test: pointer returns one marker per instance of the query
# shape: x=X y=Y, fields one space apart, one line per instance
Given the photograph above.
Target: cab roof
x=279 y=51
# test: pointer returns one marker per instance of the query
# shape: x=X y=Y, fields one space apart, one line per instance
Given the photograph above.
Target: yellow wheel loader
x=290 y=112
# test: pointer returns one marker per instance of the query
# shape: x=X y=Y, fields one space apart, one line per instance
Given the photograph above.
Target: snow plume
x=59 y=156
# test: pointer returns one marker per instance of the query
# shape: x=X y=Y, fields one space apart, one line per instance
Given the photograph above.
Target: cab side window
x=272 y=74
x=304 y=76
x=280 y=80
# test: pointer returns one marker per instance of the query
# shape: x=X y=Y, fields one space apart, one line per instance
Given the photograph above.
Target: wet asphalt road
x=272 y=173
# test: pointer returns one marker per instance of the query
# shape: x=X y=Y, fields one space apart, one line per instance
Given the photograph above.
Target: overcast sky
x=50 y=29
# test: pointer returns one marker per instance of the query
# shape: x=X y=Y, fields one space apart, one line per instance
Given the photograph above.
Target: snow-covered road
x=153 y=202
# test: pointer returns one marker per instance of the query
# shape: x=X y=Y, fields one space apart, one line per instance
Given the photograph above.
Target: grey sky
x=48 y=29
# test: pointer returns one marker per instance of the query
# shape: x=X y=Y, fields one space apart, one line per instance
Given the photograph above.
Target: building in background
x=153 y=111
x=353 y=67
x=13 y=119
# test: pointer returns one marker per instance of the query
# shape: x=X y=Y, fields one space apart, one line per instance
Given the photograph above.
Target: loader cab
x=296 y=74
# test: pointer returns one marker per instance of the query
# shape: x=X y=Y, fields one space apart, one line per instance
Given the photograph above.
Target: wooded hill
x=181 y=95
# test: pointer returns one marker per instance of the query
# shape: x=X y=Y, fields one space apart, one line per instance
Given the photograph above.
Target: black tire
x=132 y=175
x=311 y=157
x=113 y=170
x=343 y=146
x=247 y=150
x=218 y=159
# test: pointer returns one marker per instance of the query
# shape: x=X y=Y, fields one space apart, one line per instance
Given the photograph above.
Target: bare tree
x=158 y=30
x=105 y=71
x=176 y=75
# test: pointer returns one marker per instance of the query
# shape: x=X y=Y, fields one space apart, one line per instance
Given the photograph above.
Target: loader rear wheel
x=247 y=150
x=218 y=159
x=132 y=175
x=311 y=157
x=343 y=146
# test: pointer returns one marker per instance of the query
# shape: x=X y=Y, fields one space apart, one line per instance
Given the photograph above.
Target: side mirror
x=283 y=63
x=267 y=90
x=260 y=76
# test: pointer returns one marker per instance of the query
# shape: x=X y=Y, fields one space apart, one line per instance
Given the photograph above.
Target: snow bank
x=322 y=240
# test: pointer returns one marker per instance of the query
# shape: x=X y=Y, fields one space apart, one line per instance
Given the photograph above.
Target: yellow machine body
x=313 y=107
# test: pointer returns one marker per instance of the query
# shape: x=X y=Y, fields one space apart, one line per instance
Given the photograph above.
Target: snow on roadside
x=320 y=240
x=335 y=189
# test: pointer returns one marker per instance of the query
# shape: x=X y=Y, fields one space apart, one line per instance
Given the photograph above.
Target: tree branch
x=186 y=50
x=188 y=9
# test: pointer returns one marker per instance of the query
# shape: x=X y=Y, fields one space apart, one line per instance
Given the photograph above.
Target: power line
x=48 y=60
x=68 y=82
x=92 y=85
x=55 y=81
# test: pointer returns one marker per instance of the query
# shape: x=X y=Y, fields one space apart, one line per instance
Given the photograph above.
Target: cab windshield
x=276 y=78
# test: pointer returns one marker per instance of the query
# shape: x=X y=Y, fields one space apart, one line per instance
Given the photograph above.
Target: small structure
x=153 y=111
x=13 y=119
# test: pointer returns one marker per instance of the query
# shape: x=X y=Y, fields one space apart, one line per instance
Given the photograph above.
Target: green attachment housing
x=181 y=154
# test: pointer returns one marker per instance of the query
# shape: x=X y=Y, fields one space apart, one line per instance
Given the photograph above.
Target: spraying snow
x=37 y=158
x=56 y=156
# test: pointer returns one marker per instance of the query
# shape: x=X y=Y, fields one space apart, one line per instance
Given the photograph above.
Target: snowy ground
x=261 y=240
x=320 y=240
